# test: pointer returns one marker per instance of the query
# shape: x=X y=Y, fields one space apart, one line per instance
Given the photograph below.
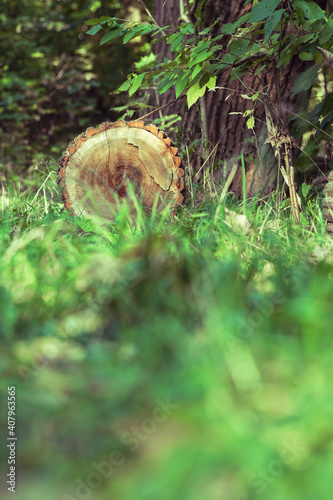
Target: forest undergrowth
x=148 y=355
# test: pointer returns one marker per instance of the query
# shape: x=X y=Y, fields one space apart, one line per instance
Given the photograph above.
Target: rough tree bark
x=327 y=204
x=227 y=133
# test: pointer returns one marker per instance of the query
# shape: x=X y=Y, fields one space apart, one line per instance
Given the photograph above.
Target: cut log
x=102 y=164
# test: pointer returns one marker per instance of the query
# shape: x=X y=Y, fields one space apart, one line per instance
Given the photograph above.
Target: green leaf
x=262 y=10
x=237 y=73
x=172 y=37
x=133 y=32
x=166 y=84
x=187 y=28
x=112 y=34
x=194 y=93
x=327 y=32
x=306 y=56
x=137 y=83
x=310 y=37
x=259 y=70
x=250 y=122
x=272 y=22
x=230 y=28
x=305 y=80
x=196 y=71
x=95 y=29
x=229 y=59
x=210 y=80
x=310 y=9
x=239 y=47
x=99 y=20
x=124 y=86
x=200 y=47
x=198 y=89
x=181 y=82
x=176 y=41
x=149 y=28
x=145 y=61
x=305 y=189
x=202 y=56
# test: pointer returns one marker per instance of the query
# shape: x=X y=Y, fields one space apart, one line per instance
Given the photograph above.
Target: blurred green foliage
x=172 y=358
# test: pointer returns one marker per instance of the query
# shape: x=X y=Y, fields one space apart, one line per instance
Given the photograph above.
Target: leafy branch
x=267 y=37
x=199 y=57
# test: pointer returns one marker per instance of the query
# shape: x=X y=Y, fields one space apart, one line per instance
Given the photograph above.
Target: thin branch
x=191 y=14
x=150 y=15
x=195 y=5
x=158 y=109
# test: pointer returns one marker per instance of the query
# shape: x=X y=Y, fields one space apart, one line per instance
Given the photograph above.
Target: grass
x=176 y=358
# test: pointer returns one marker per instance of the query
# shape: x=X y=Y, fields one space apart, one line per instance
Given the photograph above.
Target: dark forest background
x=55 y=79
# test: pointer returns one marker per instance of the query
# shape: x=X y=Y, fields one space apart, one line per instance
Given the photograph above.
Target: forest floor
x=174 y=358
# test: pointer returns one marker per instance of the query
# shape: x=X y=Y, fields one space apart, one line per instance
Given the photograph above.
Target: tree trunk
x=227 y=134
